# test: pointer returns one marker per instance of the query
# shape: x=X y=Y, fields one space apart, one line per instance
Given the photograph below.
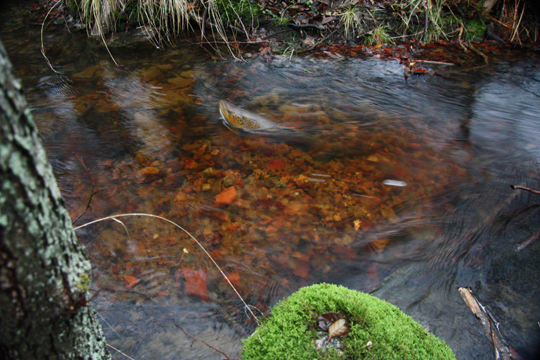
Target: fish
x=245 y=122
x=237 y=118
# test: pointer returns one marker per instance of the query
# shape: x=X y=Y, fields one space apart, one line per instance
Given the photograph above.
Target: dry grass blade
x=42 y=28
x=100 y=13
x=115 y=349
x=114 y=217
x=350 y=21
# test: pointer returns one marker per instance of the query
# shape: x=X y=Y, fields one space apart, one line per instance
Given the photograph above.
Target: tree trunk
x=44 y=275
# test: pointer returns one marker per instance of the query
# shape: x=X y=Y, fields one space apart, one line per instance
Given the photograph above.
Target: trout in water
x=245 y=120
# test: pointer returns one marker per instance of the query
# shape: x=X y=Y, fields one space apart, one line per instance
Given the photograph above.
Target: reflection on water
x=401 y=189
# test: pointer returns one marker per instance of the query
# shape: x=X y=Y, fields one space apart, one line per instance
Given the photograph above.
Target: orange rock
x=196 y=283
x=226 y=196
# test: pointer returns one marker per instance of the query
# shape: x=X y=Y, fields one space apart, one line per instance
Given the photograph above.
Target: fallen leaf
x=131 y=281
x=327 y=319
x=200 y=152
x=296 y=207
x=274 y=164
x=302 y=267
x=196 y=283
x=338 y=328
x=180 y=197
x=226 y=196
x=234 y=278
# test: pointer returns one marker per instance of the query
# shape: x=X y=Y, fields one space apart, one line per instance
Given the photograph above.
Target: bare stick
x=241 y=22
x=204 y=342
x=519 y=187
x=525 y=244
x=92 y=192
x=433 y=62
x=426 y=6
x=478 y=52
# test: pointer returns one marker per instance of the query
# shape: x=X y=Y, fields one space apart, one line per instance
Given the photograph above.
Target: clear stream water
x=400 y=189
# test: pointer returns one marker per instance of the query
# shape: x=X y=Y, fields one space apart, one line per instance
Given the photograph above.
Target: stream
x=399 y=188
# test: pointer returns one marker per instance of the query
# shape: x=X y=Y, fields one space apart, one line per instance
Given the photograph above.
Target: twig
x=519 y=187
x=240 y=19
x=426 y=6
x=433 y=62
x=204 y=342
x=92 y=192
x=525 y=244
x=478 y=52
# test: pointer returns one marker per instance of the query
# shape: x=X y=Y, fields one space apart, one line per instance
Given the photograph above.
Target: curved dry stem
x=42 y=28
x=114 y=217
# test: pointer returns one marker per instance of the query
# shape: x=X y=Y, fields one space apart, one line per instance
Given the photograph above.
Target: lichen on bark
x=44 y=274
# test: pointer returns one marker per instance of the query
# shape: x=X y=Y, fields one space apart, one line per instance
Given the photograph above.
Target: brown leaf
x=327 y=319
x=200 y=152
x=338 y=328
x=274 y=164
x=196 y=283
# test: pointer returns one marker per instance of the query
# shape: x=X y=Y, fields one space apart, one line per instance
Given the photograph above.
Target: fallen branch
x=490 y=327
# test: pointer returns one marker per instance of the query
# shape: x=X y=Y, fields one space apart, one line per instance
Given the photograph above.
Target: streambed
x=399 y=188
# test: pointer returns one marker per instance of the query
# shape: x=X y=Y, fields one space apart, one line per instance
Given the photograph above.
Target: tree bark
x=44 y=275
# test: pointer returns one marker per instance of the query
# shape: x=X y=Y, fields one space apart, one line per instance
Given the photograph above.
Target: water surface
x=398 y=188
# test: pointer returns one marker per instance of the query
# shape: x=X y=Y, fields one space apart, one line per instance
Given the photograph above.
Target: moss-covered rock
x=290 y=332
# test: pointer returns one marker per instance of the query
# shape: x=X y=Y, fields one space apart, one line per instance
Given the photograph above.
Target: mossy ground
x=290 y=331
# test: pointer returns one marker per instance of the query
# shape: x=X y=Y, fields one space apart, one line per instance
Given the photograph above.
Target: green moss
x=476 y=29
x=291 y=330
